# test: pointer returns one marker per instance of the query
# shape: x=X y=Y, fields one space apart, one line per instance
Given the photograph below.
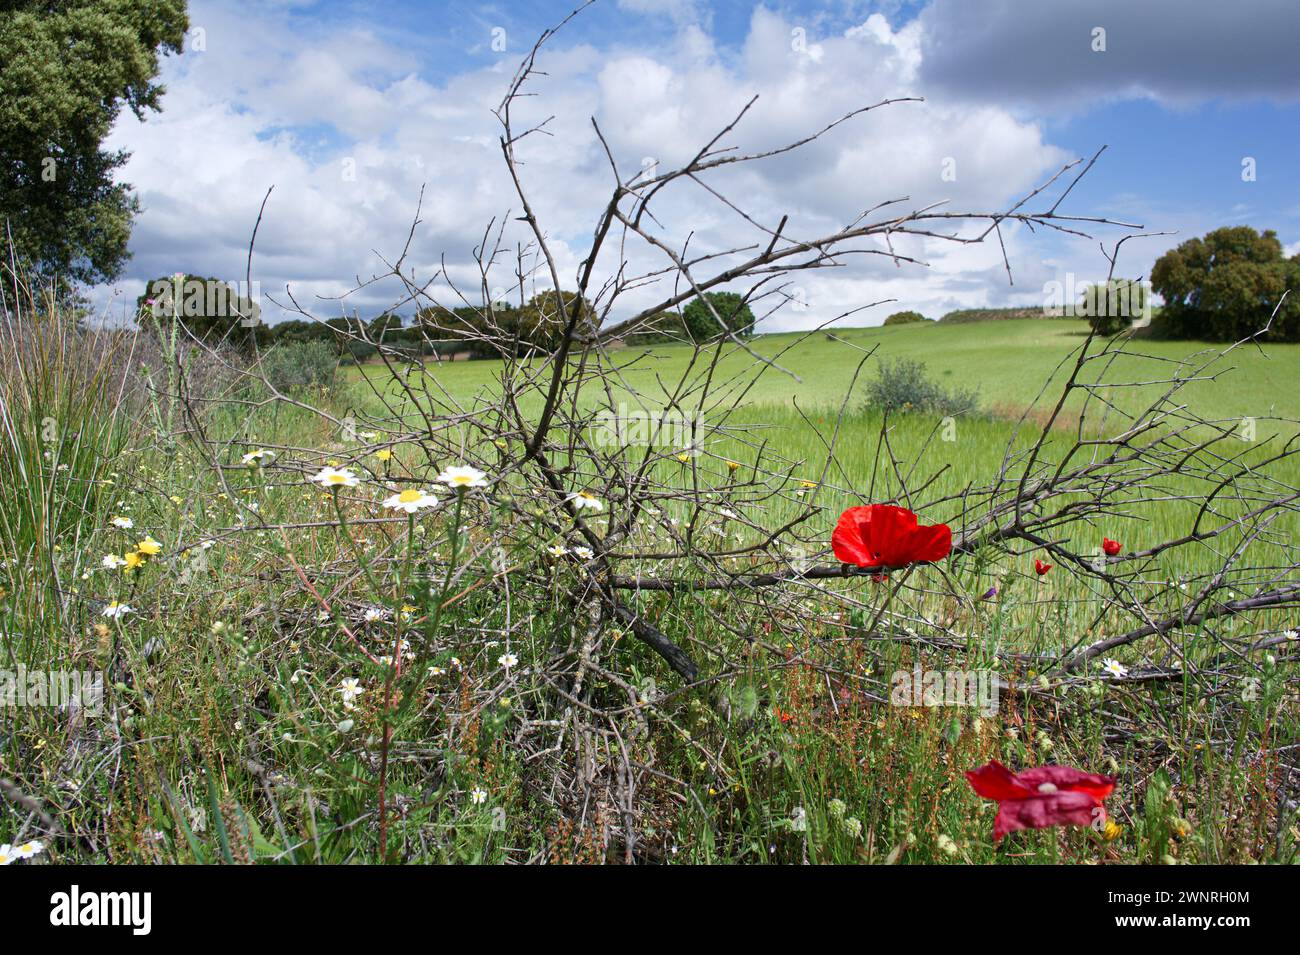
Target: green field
x=1008 y=361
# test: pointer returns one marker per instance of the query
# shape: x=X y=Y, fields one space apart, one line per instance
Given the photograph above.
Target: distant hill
x=963 y=315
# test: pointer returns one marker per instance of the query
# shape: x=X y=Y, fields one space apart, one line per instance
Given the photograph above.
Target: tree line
x=213 y=311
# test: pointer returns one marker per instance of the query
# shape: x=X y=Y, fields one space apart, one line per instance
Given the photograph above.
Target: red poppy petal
x=900 y=517
x=891 y=534
x=995 y=781
x=1055 y=809
x=931 y=543
x=1067 y=778
x=885 y=535
x=848 y=540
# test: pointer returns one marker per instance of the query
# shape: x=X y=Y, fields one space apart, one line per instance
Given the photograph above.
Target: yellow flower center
x=409 y=497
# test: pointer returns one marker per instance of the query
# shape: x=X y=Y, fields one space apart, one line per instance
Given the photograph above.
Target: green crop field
x=1009 y=362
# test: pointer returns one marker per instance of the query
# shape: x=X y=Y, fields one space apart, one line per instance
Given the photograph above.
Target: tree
x=208 y=307
x=661 y=328
x=904 y=318
x=544 y=317
x=1110 y=308
x=69 y=68
x=1225 y=286
x=730 y=307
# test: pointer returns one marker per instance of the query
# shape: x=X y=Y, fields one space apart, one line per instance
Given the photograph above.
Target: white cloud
x=263 y=105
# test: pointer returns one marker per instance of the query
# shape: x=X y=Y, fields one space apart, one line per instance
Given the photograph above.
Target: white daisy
x=585 y=500
x=374 y=614
x=583 y=553
x=1114 y=667
x=258 y=458
x=335 y=477
x=123 y=522
x=350 y=690
x=557 y=550
x=29 y=849
x=113 y=561
x=462 y=477
x=7 y=854
x=410 y=501
x=116 y=610
x=478 y=796
x=1291 y=635
x=508 y=660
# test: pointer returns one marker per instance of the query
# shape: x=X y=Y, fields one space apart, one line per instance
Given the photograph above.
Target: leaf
x=219 y=820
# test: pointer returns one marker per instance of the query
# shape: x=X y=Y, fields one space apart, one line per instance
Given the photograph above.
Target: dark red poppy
x=882 y=536
x=1110 y=547
x=1040 y=568
x=1041 y=797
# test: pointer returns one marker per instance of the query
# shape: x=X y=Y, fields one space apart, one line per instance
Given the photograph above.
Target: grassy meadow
x=255 y=710
x=1010 y=362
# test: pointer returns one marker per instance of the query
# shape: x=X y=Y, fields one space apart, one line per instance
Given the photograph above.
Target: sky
x=350 y=110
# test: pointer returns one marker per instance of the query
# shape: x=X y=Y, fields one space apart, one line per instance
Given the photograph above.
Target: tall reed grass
x=66 y=414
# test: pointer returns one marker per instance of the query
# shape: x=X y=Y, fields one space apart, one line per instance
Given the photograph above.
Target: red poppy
x=882 y=536
x=1040 y=568
x=1110 y=547
x=1041 y=797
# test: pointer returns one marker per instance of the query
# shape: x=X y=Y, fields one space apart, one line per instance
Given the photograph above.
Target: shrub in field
x=904 y=318
x=1112 y=307
x=903 y=385
x=300 y=365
